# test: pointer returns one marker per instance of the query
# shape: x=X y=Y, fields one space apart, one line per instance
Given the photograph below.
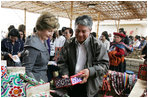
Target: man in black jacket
x=84 y=54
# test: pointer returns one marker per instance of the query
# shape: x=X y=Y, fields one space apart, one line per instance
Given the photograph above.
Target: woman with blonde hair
x=36 y=54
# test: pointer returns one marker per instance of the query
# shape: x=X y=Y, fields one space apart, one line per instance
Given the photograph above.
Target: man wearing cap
x=84 y=54
x=117 y=53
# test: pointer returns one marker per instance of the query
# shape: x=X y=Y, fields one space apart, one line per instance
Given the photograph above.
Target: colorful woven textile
x=12 y=86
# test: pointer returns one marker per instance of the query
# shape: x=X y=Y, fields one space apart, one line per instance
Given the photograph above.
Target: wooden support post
x=25 y=20
x=71 y=14
x=98 y=23
x=118 y=26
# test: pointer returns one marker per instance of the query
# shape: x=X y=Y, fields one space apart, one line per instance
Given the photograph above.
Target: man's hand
x=85 y=75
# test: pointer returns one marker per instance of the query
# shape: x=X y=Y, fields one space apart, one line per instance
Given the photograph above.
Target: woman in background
x=117 y=53
x=105 y=40
x=68 y=33
x=52 y=46
x=12 y=45
x=22 y=30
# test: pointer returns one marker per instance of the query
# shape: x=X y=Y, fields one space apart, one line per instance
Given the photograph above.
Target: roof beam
x=66 y=10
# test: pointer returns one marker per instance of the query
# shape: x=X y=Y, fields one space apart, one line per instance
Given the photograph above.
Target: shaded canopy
x=109 y=10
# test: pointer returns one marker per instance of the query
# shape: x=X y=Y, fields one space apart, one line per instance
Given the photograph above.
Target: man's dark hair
x=11 y=27
x=14 y=33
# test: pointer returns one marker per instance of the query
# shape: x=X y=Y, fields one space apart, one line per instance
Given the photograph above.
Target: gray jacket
x=97 y=62
x=36 y=58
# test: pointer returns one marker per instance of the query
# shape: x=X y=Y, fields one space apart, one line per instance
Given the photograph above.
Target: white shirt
x=136 y=44
x=111 y=39
x=52 y=48
x=81 y=58
x=106 y=43
x=59 y=42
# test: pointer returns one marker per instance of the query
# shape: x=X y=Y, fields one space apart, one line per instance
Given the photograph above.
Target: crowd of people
x=83 y=53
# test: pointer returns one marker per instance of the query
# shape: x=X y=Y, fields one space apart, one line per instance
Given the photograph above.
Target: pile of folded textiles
x=20 y=85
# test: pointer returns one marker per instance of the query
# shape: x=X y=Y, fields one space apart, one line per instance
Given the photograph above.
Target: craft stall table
x=138 y=88
x=133 y=64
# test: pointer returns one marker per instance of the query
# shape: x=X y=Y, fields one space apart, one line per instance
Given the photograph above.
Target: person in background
x=63 y=30
x=110 y=37
x=117 y=53
x=59 y=43
x=11 y=46
x=68 y=33
x=131 y=40
x=5 y=34
x=144 y=52
x=34 y=30
x=121 y=29
x=52 y=67
x=93 y=34
x=136 y=42
x=105 y=40
x=52 y=46
x=86 y=55
x=142 y=43
x=22 y=30
x=126 y=39
x=22 y=36
x=36 y=59
x=60 y=39
x=10 y=27
x=139 y=38
x=48 y=44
